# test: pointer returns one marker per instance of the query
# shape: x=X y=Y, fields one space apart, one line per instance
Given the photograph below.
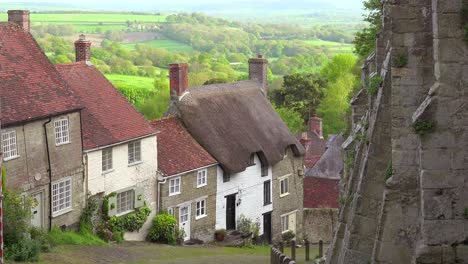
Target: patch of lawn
x=136 y=82
x=170 y=45
x=59 y=237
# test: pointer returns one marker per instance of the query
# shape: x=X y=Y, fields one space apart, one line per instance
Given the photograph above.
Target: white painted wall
x=249 y=188
x=124 y=176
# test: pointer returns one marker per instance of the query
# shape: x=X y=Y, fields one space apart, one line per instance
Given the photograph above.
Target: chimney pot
x=260 y=56
x=82 y=49
x=20 y=17
x=178 y=76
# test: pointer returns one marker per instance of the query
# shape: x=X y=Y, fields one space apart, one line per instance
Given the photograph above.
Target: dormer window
x=252 y=160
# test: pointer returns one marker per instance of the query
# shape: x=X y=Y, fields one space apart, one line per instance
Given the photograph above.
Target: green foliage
x=248 y=227
x=341 y=200
x=291 y=118
x=341 y=82
x=423 y=127
x=26 y=249
x=221 y=231
x=3 y=179
x=364 y=42
x=130 y=222
x=163 y=229
x=400 y=61
x=349 y=160
x=86 y=225
x=350 y=199
x=105 y=206
x=389 y=172
x=288 y=236
x=374 y=85
x=42 y=236
x=67 y=237
x=215 y=80
x=301 y=93
x=16 y=217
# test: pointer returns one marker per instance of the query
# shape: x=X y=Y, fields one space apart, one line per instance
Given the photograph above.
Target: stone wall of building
x=407 y=189
x=319 y=224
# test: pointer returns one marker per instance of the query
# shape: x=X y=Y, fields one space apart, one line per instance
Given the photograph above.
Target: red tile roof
x=30 y=86
x=108 y=118
x=320 y=193
x=315 y=147
x=178 y=151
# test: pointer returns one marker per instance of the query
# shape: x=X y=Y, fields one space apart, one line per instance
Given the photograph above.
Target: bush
x=162 y=230
x=130 y=222
x=41 y=236
x=374 y=85
x=288 y=236
x=16 y=218
x=25 y=249
x=423 y=127
x=244 y=225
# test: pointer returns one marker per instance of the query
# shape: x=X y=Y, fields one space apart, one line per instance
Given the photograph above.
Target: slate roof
x=30 y=86
x=232 y=121
x=321 y=193
x=178 y=151
x=330 y=164
x=108 y=117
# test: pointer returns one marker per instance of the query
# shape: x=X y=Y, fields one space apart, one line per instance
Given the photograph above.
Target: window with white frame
x=61 y=196
x=201 y=178
x=107 y=159
x=170 y=211
x=62 y=133
x=284 y=186
x=174 y=186
x=284 y=223
x=201 y=209
x=125 y=201
x=288 y=222
x=134 y=152
x=9 y=146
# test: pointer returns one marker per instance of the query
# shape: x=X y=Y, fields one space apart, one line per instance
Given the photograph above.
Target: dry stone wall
x=405 y=185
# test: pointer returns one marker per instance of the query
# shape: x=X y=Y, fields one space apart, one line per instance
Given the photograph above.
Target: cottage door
x=184 y=220
x=36 y=210
x=231 y=212
x=267 y=226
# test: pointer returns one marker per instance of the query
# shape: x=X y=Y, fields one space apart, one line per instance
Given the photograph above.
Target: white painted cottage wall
x=249 y=188
x=124 y=176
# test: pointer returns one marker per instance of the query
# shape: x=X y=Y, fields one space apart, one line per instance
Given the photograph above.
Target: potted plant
x=220 y=234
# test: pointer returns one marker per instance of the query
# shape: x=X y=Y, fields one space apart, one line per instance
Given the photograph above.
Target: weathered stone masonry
x=406 y=193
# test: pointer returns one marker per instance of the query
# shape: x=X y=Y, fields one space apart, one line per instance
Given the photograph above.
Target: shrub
x=288 y=236
x=25 y=249
x=16 y=218
x=400 y=61
x=423 y=127
x=244 y=225
x=42 y=236
x=86 y=225
x=162 y=230
x=374 y=85
x=130 y=222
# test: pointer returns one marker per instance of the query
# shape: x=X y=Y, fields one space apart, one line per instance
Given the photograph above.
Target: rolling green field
x=132 y=81
x=168 y=44
x=334 y=47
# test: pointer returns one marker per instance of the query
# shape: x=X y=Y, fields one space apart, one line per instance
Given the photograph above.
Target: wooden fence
x=278 y=257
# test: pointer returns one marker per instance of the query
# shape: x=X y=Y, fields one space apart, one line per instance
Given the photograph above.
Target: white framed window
x=288 y=222
x=201 y=209
x=9 y=146
x=174 y=186
x=107 y=159
x=125 y=201
x=201 y=178
x=134 y=152
x=61 y=196
x=170 y=211
x=62 y=133
x=284 y=186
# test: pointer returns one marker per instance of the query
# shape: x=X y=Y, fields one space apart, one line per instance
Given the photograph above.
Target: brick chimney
x=178 y=76
x=258 y=71
x=82 y=49
x=315 y=125
x=20 y=17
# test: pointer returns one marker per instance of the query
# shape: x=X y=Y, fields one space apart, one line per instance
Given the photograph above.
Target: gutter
x=159 y=193
x=49 y=171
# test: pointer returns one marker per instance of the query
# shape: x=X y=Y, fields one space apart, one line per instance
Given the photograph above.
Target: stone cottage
x=41 y=128
x=119 y=145
x=260 y=162
x=187 y=188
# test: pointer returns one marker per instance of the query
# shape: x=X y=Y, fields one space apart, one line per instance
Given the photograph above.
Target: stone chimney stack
x=82 y=49
x=178 y=76
x=258 y=71
x=20 y=17
x=315 y=125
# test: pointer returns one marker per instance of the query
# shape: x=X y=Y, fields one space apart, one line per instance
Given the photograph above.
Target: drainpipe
x=159 y=193
x=49 y=171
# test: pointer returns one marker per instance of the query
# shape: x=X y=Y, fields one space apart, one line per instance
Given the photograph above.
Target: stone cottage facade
x=119 y=154
x=187 y=183
x=41 y=128
x=408 y=178
x=260 y=161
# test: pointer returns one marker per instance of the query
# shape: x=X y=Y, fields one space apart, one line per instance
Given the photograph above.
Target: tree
x=364 y=41
x=301 y=93
x=291 y=118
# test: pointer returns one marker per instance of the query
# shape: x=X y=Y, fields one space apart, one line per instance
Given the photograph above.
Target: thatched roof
x=232 y=121
x=330 y=164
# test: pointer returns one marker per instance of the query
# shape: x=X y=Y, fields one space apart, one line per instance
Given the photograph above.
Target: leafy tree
x=291 y=118
x=364 y=41
x=301 y=93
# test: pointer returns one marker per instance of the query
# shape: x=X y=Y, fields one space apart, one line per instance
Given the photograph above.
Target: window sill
x=61 y=144
x=124 y=213
x=282 y=232
x=107 y=171
x=11 y=158
x=267 y=204
x=64 y=211
x=284 y=194
x=173 y=194
x=135 y=163
x=200 y=217
x=199 y=186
